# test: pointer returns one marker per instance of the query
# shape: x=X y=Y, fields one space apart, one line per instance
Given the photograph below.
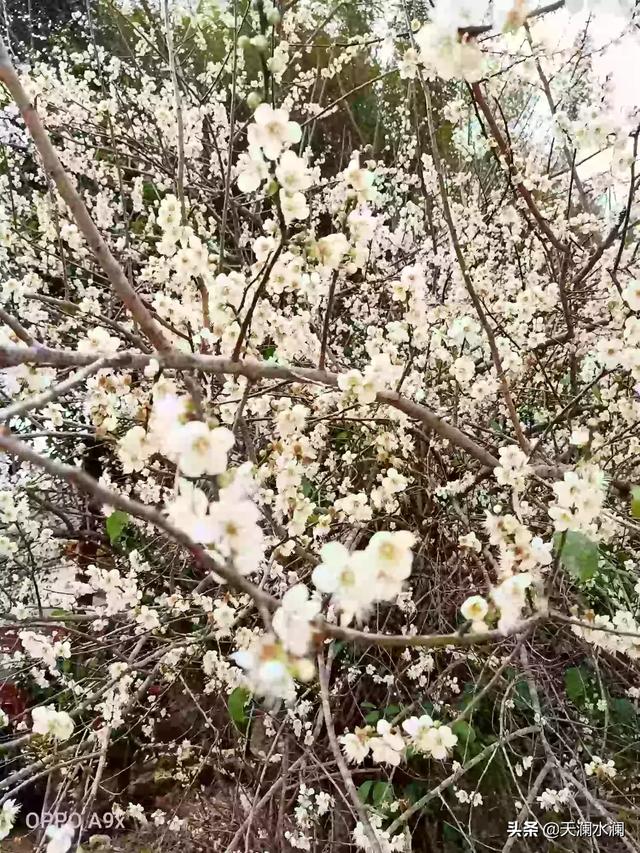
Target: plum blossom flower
x=463 y=370
x=60 y=838
x=251 y=170
x=631 y=294
x=200 y=449
x=356 y=745
x=388 y=557
x=99 y=340
x=134 y=450
x=354 y=384
x=510 y=599
x=388 y=746
x=343 y=579
x=360 y=180
x=408 y=65
x=475 y=609
x=189 y=511
x=439 y=741
x=514 y=468
x=332 y=249
x=49 y=722
x=8 y=814
x=292 y=173
x=270 y=671
x=449 y=55
x=292 y=621
x=272 y=131
x=294 y=206
x=417 y=729
x=602 y=769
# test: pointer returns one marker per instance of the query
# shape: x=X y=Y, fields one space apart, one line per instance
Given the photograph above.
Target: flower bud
x=261 y=43
x=254 y=99
x=244 y=42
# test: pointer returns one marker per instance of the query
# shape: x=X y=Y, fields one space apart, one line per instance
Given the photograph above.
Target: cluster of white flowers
x=49 y=722
x=388 y=843
x=510 y=597
x=554 y=799
x=601 y=769
x=519 y=549
x=228 y=527
x=270 y=135
x=270 y=671
x=579 y=500
x=356 y=580
x=444 y=50
x=619 y=633
x=8 y=814
x=514 y=468
x=388 y=745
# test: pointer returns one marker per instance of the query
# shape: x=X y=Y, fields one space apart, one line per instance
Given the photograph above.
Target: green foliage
x=578 y=554
x=635 y=501
x=575 y=685
x=377 y=792
x=237 y=707
x=116 y=524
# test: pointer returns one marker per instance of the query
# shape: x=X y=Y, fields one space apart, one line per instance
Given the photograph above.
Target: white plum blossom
x=387 y=747
x=52 y=723
x=450 y=55
x=292 y=621
x=8 y=814
x=510 y=599
x=514 y=468
x=344 y=579
x=270 y=671
x=294 y=206
x=272 y=131
x=475 y=609
x=292 y=173
x=60 y=838
x=356 y=745
x=199 y=449
x=252 y=171
x=332 y=249
x=354 y=384
x=388 y=559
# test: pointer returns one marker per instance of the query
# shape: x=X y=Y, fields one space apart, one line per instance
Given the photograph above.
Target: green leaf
x=382 y=793
x=624 y=712
x=236 y=705
x=116 y=524
x=575 y=685
x=464 y=732
x=391 y=711
x=365 y=789
x=372 y=717
x=578 y=554
x=635 y=501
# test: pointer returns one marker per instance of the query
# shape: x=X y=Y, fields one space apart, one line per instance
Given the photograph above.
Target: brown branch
x=504 y=150
x=253 y=370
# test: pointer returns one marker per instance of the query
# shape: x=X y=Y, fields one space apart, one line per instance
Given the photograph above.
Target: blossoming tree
x=319 y=354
